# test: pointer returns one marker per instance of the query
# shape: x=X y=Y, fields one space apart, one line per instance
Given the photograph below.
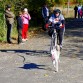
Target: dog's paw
x=56 y=70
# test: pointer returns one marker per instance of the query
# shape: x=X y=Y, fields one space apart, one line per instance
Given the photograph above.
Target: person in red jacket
x=81 y=13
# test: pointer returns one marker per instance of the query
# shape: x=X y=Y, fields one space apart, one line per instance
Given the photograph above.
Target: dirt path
x=31 y=62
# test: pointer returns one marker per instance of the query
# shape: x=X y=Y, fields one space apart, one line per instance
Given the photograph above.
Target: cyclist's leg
x=57 y=30
x=61 y=36
x=46 y=19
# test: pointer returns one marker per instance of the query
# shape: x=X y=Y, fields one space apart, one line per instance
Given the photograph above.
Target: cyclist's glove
x=46 y=26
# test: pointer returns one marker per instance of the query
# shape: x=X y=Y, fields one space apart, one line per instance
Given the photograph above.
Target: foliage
x=2 y=28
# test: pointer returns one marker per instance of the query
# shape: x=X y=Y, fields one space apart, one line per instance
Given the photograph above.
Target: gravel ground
x=31 y=62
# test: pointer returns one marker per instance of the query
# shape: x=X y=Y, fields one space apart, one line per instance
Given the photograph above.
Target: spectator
x=19 y=27
x=45 y=12
x=81 y=13
x=26 y=17
x=75 y=11
x=45 y=15
x=9 y=21
x=79 y=8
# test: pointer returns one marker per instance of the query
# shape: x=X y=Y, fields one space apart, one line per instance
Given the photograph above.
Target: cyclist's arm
x=47 y=24
x=50 y=21
x=62 y=21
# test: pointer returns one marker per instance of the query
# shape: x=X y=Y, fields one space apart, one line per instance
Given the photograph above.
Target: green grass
x=2 y=29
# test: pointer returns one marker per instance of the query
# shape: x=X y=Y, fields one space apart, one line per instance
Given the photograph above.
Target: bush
x=2 y=28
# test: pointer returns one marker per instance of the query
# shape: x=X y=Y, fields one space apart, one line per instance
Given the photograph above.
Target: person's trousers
x=75 y=14
x=78 y=14
x=46 y=20
x=9 y=29
x=25 y=31
x=19 y=35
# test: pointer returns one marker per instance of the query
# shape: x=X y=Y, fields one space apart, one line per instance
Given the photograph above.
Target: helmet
x=57 y=11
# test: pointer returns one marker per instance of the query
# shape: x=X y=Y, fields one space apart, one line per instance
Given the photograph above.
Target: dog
x=55 y=53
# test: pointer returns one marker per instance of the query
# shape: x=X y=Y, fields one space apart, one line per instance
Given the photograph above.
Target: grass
x=2 y=29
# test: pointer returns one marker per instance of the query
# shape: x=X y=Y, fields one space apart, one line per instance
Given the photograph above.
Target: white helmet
x=25 y=10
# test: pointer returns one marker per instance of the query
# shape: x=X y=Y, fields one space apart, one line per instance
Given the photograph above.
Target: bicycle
x=55 y=50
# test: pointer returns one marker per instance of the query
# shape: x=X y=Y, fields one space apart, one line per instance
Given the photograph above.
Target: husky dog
x=55 y=52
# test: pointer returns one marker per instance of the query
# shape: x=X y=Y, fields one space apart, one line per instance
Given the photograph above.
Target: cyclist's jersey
x=56 y=20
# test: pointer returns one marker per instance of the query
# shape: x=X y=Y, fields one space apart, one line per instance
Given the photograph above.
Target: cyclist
x=58 y=22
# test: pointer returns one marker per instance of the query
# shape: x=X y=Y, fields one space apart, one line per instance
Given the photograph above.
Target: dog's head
x=55 y=49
